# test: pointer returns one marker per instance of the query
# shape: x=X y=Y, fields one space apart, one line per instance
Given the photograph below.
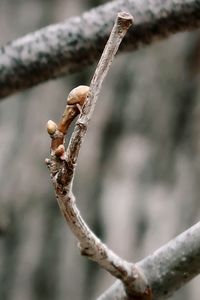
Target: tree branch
x=167 y=269
x=69 y=46
x=62 y=167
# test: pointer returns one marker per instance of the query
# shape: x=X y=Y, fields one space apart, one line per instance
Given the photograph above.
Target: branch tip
x=125 y=18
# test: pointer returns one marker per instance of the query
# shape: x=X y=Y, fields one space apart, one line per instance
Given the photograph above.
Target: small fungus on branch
x=61 y=164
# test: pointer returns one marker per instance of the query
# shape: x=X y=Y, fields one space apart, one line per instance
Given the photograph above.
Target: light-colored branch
x=69 y=46
x=118 y=32
x=158 y=275
x=167 y=269
x=62 y=167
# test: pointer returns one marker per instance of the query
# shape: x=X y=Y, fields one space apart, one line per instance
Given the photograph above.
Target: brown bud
x=51 y=127
x=78 y=95
x=60 y=150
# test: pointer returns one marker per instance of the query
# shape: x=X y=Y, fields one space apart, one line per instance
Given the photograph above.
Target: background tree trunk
x=137 y=182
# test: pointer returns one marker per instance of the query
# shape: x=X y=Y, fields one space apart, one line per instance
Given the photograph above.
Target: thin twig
x=119 y=30
x=62 y=167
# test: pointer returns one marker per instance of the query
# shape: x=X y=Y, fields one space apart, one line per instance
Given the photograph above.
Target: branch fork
x=81 y=101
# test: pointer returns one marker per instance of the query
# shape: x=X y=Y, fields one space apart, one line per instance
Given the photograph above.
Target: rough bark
x=69 y=46
x=168 y=268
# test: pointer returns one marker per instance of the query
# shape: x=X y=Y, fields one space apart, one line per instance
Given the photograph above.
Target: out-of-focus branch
x=167 y=269
x=69 y=46
x=62 y=167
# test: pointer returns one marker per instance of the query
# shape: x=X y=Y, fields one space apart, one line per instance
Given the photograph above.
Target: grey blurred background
x=137 y=181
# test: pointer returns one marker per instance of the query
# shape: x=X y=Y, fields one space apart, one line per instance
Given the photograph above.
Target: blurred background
x=137 y=181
